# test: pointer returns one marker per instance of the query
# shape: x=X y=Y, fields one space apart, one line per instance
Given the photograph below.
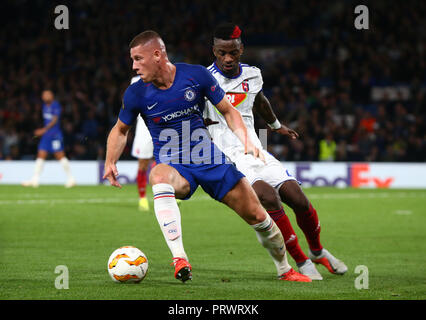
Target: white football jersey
x=241 y=92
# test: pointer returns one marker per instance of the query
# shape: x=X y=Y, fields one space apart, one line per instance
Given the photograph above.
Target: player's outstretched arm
x=116 y=142
x=236 y=124
x=263 y=108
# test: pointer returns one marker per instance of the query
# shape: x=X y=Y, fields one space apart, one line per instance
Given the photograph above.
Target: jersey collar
x=220 y=71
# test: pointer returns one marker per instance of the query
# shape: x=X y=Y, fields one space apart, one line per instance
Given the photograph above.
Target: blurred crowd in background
x=352 y=95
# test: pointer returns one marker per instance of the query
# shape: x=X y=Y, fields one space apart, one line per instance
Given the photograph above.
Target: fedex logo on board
x=357 y=175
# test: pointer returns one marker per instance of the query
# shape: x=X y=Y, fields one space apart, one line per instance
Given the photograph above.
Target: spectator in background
x=327 y=148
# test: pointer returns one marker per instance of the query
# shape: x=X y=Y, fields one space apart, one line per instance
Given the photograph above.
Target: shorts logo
x=189 y=95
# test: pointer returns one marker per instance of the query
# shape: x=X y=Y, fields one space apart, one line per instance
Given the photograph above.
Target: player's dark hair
x=227 y=31
x=143 y=38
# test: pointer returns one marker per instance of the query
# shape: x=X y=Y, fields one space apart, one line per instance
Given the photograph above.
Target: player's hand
x=39 y=132
x=255 y=152
x=209 y=122
x=111 y=173
x=285 y=131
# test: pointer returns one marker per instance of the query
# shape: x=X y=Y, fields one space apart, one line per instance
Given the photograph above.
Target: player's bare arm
x=41 y=131
x=116 y=142
x=236 y=124
x=263 y=107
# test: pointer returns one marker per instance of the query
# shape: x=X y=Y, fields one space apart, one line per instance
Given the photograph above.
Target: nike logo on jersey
x=166 y=224
x=152 y=106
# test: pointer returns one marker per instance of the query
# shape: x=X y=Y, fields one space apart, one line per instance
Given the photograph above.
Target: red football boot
x=182 y=269
x=292 y=275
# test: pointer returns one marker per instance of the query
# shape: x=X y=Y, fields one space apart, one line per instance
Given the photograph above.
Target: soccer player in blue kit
x=170 y=98
x=51 y=141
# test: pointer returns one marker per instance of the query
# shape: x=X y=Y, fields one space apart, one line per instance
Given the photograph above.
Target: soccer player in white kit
x=142 y=149
x=271 y=180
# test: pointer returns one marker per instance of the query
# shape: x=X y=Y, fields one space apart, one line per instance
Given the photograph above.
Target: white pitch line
x=203 y=197
x=403 y=212
x=61 y=201
x=44 y=195
x=361 y=195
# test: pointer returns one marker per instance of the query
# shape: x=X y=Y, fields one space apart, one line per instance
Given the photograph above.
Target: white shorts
x=273 y=172
x=142 y=147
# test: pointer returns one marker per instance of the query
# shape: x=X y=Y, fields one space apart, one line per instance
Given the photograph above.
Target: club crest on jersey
x=245 y=85
x=189 y=95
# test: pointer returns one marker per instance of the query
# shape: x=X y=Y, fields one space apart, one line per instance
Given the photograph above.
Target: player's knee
x=159 y=174
x=269 y=201
x=261 y=215
x=254 y=211
x=255 y=215
x=267 y=195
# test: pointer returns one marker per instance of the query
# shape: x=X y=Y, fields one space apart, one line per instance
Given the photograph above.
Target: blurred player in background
x=170 y=98
x=51 y=141
x=271 y=181
x=142 y=149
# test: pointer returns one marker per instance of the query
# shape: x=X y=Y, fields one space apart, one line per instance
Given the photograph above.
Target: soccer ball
x=127 y=264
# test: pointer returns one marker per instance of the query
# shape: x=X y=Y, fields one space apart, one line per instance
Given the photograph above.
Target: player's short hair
x=227 y=31
x=143 y=38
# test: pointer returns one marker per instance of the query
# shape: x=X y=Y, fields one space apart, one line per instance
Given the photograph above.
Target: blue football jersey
x=174 y=116
x=49 y=111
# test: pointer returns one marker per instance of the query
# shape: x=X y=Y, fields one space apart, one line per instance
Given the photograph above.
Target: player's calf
x=168 y=217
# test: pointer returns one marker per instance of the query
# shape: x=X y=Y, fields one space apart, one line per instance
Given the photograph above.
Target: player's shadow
x=232 y=275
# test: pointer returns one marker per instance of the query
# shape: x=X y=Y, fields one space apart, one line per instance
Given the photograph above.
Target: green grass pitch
x=40 y=229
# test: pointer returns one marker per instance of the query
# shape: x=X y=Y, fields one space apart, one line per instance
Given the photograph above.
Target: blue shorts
x=215 y=179
x=51 y=143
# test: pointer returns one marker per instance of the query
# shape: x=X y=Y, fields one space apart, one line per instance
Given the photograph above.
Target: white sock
x=269 y=235
x=66 y=165
x=39 y=163
x=168 y=217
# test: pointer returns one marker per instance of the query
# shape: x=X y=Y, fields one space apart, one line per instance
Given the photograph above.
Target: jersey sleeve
x=258 y=80
x=56 y=109
x=128 y=112
x=209 y=86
